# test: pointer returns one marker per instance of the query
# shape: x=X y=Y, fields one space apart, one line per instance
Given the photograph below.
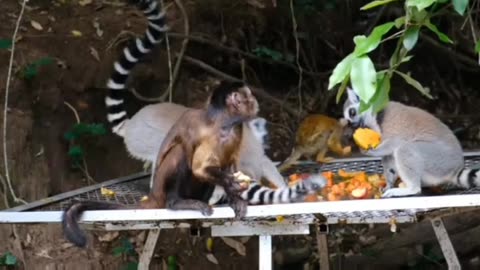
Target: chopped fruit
x=359 y=193
x=366 y=138
x=311 y=198
x=107 y=192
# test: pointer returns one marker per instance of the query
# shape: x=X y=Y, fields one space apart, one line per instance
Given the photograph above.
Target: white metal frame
x=258 y=221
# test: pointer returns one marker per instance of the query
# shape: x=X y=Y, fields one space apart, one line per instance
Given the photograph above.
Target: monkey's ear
x=352 y=96
x=234 y=99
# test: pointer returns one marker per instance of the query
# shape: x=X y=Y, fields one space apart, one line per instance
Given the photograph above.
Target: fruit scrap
x=209 y=244
x=107 y=192
x=393 y=225
x=280 y=218
x=144 y=198
x=243 y=179
x=311 y=198
x=294 y=178
x=329 y=176
x=366 y=138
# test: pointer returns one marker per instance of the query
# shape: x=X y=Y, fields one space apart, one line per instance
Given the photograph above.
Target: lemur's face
x=259 y=128
x=351 y=109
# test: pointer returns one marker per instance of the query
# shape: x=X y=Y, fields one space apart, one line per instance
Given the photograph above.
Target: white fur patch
x=113 y=85
x=112 y=102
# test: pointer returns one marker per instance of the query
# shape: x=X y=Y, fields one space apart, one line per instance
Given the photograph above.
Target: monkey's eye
x=352 y=112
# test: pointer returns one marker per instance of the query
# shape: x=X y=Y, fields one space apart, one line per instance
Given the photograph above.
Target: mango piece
x=311 y=198
x=359 y=193
x=366 y=138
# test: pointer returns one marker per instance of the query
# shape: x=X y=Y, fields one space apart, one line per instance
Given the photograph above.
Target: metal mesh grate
x=129 y=193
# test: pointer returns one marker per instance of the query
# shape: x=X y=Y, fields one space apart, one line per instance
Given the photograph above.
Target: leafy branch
x=357 y=68
x=74 y=135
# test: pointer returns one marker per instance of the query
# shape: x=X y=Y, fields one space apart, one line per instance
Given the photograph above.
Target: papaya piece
x=359 y=193
x=366 y=138
x=311 y=198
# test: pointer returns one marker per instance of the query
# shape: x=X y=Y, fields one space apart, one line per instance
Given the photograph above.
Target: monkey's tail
x=469 y=178
x=287 y=163
x=154 y=34
x=70 y=217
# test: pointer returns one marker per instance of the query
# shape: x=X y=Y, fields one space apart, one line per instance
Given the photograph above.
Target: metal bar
x=148 y=249
x=322 y=246
x=72 y=193
x=368 y=158
x=265 y=252
x=334 y=207
x=445 y=244
x=259 y=229
x=291 y=221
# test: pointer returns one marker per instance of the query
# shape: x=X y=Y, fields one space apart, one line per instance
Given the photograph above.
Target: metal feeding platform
x=260 y=220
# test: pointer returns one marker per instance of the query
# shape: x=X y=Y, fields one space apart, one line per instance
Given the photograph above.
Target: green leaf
x=131 y=266
x=381 y=97
x=376 y=4
x=364 y=78
x=477 y=47
x=172 y=263
x=408 y=79
x=366 y=45
x=76 y=152
x=359 y=39
x=460 y=6
x=418 y=15
x=399 y=22
x=419 y=4
x=117 y=251
x=341 y=71
x=69 y=136
x=43 y=61
x=406 y=58
x=10 y=259
x=264 y=51
x=342 y=89
x=440 y=35
x=411 y=37
x=5 y=43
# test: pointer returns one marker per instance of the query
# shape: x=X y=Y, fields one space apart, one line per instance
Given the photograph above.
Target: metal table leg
x=147 y=253
x=265 y=252
x=445 y=244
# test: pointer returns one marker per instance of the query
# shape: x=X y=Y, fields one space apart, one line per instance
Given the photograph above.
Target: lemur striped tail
x=258 y=194
x=469 y=178
x=131 y=55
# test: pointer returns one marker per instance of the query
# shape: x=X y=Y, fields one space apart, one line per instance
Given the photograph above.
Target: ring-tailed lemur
x=258 y=194
x=416 y=146
x=144 y=132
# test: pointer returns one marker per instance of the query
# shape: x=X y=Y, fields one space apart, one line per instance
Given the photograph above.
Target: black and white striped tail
x=469 y=178
x=131 y=55
x=258 y=194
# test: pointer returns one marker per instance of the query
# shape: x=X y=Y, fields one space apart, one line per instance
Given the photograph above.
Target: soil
x=38 y=115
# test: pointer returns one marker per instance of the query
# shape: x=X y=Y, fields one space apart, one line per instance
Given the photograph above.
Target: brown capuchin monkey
x=202 y=148
x=199 y=152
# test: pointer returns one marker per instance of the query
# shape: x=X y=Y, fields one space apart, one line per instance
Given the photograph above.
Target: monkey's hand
x=233 y=186
x=239 y=207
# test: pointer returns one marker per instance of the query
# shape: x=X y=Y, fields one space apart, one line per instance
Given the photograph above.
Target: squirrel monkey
x=316 y=135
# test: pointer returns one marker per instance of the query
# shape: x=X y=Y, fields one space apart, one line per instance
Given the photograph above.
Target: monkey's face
x=243 y=103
